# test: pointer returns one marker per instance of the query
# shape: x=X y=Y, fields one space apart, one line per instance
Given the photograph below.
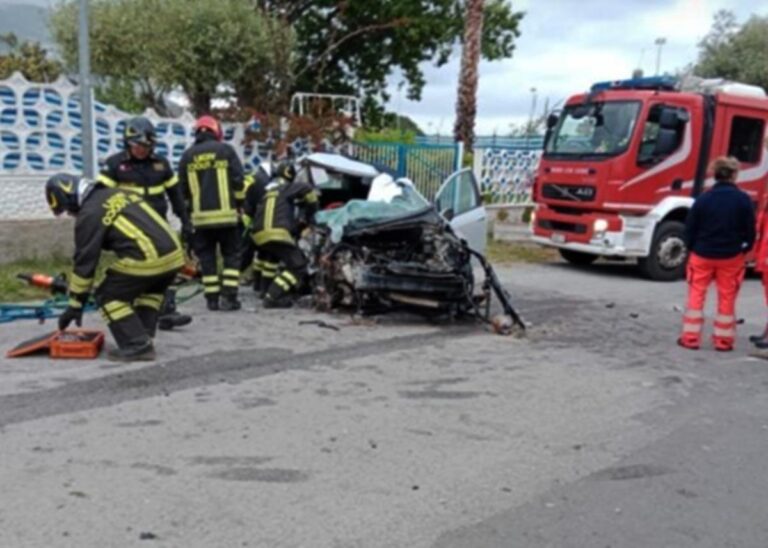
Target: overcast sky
x=565 y=46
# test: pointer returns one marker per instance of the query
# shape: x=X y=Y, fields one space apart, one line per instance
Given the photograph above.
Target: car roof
x=342 y=164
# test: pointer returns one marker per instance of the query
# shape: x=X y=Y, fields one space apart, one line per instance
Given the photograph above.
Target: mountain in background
x=28 y=21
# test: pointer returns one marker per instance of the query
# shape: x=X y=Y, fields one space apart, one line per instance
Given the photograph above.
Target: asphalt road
x=255 y=429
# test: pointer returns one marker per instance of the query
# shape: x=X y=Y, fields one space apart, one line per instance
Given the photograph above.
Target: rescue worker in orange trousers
x=140 y=170
x=274 y=229
x=761 y=265
x=720 y=230
x=149 y=255
x=211 y=180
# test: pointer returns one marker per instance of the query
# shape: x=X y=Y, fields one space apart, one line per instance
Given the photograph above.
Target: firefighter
x=263 y=271
x=149 y=254
x=211 y=180
x=274 y=229
x=720 y=230
x=138 y=169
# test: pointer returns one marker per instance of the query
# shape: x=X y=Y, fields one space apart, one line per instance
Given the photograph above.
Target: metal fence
x=426 y=165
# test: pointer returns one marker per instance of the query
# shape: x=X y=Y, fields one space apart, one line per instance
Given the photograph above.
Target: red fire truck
x=623 y=163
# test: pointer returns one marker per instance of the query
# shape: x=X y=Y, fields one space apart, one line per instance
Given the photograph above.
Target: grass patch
x=15 y=290
x=501 y=252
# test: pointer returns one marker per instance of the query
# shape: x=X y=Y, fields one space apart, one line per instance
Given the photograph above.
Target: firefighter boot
x=229 y=302
x=133 y=353
x=133 y=343
x=277 y=297
x=760 y=341
x=212 y=301
x=169 y=316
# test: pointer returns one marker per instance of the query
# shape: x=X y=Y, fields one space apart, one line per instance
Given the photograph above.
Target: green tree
x=352 y=46
x=208 y=49
x=29 y=58
x=121 y=93
x=734 y=52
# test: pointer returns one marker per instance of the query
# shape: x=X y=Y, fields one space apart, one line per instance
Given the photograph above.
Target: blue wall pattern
x=506 y=175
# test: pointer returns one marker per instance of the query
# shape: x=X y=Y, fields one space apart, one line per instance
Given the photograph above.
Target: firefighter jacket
x=255 y=188
x=151 y=178
x=211 y=181
x=274 y=213
x=123 y=223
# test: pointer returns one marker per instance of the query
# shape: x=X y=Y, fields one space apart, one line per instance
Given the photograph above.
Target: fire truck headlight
x=600 y=225
x=532 y=222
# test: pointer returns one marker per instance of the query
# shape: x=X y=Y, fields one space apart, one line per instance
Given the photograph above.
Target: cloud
x=566 y=46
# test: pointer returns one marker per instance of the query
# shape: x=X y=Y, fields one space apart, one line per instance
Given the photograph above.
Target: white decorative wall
x=506 y=174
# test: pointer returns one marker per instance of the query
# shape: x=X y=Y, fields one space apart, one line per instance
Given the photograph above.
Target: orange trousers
x=727 y=275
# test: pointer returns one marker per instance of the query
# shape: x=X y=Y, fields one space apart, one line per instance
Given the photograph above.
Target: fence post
x=402 y=160
x=459 y=155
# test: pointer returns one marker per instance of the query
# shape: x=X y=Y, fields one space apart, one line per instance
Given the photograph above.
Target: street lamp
x=529 y=129
x=660 y=44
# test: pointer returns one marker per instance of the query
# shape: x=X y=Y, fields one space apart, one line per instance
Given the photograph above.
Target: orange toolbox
x=81 y=344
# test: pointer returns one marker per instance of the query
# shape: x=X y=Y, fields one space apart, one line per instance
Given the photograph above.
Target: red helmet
x=209 y=123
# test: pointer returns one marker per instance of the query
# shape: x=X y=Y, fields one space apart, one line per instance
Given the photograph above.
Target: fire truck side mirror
x=552 y=120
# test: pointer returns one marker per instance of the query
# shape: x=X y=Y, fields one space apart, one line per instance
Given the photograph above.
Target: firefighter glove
x=70 y=314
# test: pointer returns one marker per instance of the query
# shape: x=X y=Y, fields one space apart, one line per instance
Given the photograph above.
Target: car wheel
x=666 y=261
x=577 y=257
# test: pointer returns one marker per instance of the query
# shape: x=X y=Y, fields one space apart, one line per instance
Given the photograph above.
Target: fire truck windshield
x=593 y=129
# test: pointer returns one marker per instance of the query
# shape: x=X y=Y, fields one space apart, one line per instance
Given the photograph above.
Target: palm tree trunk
x=466 y=104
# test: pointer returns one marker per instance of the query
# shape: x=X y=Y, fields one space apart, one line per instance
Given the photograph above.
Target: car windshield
x=594 y=129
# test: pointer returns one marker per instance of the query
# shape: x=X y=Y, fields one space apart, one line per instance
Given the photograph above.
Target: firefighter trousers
x=290 y=268
x=207 y=243
x=727 y=275
x=131 y=304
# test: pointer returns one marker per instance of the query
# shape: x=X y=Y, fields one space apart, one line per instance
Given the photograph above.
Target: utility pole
x=660 y=44
x=86 y=97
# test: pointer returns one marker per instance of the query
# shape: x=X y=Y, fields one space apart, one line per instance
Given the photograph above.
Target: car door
x=459 y=201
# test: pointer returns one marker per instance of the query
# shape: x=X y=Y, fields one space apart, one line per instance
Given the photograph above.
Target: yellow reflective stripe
x=150 y=300
x=106 y=181
x=154 y=190
x=230 y=283
x=170 y=183
x=248 y=180
x=269 y=209
x=210 y=279
x=194 y=189
x=74 y=303
x=78 y=284
x=289 y=277
x=131 y=231
x=282 y=284
x=149 y=210
x=172 y=261
x=310 y=197
x=222 y=178
x=240 y=194
x=117 y=310
x=247 y=220
x=208 y=289
x=232 y=272
x=272 y=235
x=203 y=218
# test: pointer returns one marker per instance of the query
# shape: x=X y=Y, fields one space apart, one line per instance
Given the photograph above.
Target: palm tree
x=466 y=104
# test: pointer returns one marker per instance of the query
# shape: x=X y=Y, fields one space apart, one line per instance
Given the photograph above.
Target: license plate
x=558 y=238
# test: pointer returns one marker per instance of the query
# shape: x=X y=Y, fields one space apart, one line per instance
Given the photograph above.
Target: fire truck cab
x=623 y=163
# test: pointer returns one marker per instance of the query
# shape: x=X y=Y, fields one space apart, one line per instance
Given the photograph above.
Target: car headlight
x=600 y=225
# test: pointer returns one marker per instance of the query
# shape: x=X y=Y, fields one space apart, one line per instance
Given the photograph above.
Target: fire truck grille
x=569 y=193
x=561 y=226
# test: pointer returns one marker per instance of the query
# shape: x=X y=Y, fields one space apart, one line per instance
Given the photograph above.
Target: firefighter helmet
x=61 y=193
x=285 y=170
x=209 y=124
x=139 y=131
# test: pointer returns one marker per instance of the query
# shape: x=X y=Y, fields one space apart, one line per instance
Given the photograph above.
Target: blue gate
x=426 y=165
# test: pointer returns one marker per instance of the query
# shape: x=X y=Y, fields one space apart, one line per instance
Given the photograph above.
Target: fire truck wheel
x=666 y=261
x=577 y=257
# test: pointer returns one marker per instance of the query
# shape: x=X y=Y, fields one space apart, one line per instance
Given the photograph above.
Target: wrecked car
x=378 y=245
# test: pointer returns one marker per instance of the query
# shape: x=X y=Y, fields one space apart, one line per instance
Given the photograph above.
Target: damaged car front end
x=395 y=251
